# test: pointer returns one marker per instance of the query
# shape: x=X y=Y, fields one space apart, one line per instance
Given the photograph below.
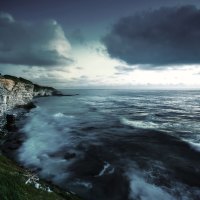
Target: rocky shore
x=16 y=91
x=16 y=95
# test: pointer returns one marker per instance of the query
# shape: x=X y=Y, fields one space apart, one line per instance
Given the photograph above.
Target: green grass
x=16 y=79
x=13 y=187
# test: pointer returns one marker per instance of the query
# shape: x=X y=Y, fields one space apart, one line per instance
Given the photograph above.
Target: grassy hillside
x=14 y=185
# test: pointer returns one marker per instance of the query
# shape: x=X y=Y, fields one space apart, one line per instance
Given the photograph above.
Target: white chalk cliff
x=18 y=91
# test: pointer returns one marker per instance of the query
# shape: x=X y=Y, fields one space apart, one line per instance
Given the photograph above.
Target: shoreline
x=10 y=141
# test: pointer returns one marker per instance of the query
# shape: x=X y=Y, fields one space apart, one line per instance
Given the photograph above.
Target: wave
x=59 y=115
x=46 y=136
x=139 y=124
x=106 y=169
x=194 y=145
x=141 y=189
x=85 y=184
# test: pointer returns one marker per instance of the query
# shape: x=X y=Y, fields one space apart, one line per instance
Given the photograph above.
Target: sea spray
x=47 y=135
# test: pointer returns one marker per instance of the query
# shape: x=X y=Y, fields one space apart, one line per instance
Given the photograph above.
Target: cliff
x=16 y=91
x=16 y=182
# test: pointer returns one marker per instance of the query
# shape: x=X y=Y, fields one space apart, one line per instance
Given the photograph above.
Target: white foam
x=37 y=185
x=139 y=124
x=59 y=115
x=45 y=136
x=111 y=171
x=193 y=143
x=49 y=190
x=141 y=189
x=83 y=183
x=195 y=146
x=105 y=167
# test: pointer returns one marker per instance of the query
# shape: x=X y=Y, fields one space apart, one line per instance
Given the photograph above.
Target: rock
x=27 y=106
x=10 y=119
x=16 y=92
x=44 y=91
x=10 y=123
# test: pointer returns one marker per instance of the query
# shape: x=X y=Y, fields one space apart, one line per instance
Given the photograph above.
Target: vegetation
x=13 y=185
x=16 y=79
x=23 y=80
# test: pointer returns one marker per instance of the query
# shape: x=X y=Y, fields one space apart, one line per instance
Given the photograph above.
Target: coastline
x=17 y=182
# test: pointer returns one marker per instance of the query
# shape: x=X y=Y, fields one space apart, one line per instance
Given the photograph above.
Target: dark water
x=117 y=145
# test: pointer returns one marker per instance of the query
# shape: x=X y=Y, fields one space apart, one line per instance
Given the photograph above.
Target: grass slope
x=13 y=187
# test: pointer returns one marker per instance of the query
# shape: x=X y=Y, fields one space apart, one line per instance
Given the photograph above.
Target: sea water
x=117 y=144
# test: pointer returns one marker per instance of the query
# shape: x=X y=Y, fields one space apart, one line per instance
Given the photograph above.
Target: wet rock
x=27 y=106
x=10 y=123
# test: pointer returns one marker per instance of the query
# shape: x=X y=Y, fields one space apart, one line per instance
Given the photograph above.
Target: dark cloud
x=42 y=44
x=168 y=36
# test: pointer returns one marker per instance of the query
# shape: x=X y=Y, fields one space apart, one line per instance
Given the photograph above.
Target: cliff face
x=18 y=91
x=44 y=91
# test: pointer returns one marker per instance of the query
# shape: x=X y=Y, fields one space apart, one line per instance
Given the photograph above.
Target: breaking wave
x=141 y=189
x=139 y=124
x=46 y=137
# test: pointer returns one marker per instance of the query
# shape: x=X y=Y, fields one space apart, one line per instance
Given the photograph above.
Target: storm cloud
x=42 y=44
x=167 y=36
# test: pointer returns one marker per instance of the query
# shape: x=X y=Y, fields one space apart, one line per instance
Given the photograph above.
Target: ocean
x=117 y=144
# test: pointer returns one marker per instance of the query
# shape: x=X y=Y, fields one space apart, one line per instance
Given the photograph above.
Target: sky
x=128 y=44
